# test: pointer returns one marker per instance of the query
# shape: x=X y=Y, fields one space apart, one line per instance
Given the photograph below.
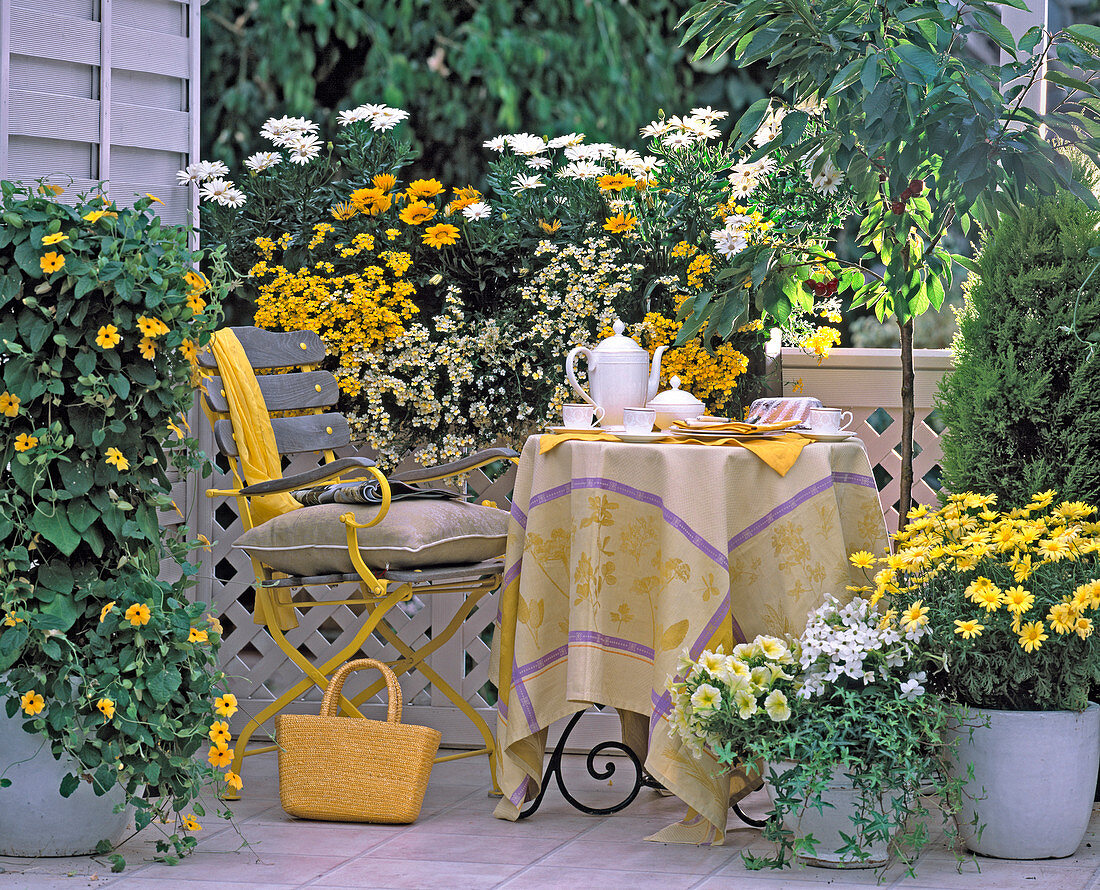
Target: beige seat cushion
x=414 y=534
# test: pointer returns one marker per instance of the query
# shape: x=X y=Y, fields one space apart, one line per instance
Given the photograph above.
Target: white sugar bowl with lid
x=674 y=405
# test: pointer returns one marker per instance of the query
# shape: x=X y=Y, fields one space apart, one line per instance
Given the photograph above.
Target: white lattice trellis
x=867 y=382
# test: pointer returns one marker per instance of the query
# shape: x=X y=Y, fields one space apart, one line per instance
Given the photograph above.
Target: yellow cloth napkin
x=251 y=421
x=552 y=440
x=733 y=426
x=778 y=452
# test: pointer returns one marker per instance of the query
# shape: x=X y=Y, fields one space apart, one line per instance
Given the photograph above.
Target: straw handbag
x=347 y=769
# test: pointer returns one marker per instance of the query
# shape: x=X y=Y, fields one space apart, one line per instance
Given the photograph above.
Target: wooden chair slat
x=274 y=349
x=294 y=435
x=282 y=392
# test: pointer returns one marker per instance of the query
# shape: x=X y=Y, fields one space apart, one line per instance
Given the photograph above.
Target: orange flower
x=219 y=755
x=23 y=442
x=51 y=262
x=9 y=404
x=32 y=702
x=417 y=212
x=137 y=614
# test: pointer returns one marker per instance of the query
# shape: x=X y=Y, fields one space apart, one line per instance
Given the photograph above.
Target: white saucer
x=640 y=437
x=826 y=435
x=575 y=429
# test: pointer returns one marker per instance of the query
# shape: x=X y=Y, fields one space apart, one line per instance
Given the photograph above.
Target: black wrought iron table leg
x=554 y=768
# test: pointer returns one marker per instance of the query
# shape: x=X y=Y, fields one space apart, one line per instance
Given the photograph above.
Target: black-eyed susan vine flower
x=219 y=756
x=190 y=823
x=52 y=262
x=25 y=442
x=137 y=614
x=117 y=459
x=32 y=702
x=226 y=705
x=108 y=337
x=106 y=707
x=106 y=610
x=9 y=404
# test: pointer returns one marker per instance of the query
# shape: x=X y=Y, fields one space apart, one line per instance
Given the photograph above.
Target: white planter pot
x=1034 y=780
x=35 y=820
x=842 y=799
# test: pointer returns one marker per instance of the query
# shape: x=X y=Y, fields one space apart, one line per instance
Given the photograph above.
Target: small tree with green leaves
x=924 y=131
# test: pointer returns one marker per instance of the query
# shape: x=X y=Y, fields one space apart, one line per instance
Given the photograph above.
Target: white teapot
x=618 y=374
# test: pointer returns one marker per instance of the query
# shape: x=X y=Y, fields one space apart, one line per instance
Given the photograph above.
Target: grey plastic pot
x=35 y=820
x=1034 y=776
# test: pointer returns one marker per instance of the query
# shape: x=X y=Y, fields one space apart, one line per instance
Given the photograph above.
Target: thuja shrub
x=101 y=310
x=1022 y=402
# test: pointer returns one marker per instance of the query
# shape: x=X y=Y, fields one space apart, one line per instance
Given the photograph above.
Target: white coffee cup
x=639 y=420
x=580 y=416
x=829 y=420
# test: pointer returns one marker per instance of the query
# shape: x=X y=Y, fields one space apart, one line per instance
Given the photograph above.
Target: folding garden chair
x=401 y=546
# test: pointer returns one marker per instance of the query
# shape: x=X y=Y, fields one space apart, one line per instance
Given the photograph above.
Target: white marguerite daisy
x=303 y=148
x=828 y=180
x=770 y=127
x=387 y=119
x=522 y=183
x=232 y=197
x=354 y=115
x=215 y=189
x=655 y=129
x=582 y=169
x=526 y=144
x=677 y=140
x=262 y=160
x=477 y=210
x=564 y=141
x=708 y=114
x=497 y=143
x=540 y=162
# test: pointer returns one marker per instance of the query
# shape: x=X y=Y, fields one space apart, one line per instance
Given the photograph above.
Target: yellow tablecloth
x=622 y=556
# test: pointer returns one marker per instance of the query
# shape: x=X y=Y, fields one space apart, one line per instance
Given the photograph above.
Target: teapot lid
x=618 y=343
x=676 y=398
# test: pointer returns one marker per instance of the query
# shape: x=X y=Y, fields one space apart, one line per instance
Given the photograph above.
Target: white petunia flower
x=913 y=688
x=477 y=210
x=706 y=698
x=262 y=160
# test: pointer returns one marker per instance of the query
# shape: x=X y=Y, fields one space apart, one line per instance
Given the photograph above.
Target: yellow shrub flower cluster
x=707 y=376
x=989 y=582
x=355 y=314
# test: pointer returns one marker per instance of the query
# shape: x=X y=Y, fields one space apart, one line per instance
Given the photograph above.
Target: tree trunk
x=908 y=410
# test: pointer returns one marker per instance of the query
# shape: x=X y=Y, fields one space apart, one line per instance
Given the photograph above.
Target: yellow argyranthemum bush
x=101 y=309
x=1008 y=600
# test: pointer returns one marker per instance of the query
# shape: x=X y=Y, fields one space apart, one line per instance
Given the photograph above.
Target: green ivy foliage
x=464 y=71
x=1022 y=404
x=100 y=311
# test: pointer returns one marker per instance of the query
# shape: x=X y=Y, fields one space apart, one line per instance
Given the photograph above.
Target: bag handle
x=330 y=703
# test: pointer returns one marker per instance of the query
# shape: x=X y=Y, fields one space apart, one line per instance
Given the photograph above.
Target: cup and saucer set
x=622 y=399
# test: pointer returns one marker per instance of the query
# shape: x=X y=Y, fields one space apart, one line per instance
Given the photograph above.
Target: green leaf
x=1088 y=33
x=750 y=122
x=53 y=523
x=163 y=685
x=922 y=60
x=69 y=784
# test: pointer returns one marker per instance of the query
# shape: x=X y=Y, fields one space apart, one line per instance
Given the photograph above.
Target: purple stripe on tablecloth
x=856 y=479
x=546 y=660
x=512 y=573
x=520 y=793
x=646 y=497
x=520 y=691
x=782 y=510
x=519 y=516
x=591 y=636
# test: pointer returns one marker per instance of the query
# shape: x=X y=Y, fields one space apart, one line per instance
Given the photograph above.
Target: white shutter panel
x=96 y=90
